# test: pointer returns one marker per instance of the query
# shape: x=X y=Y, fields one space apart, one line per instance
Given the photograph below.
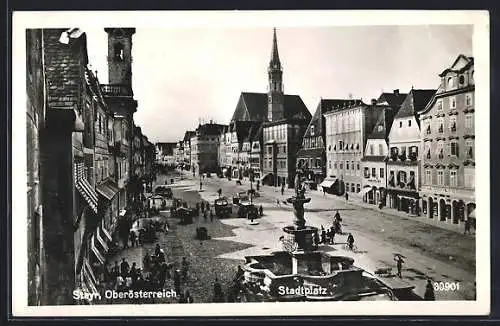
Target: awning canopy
x=365 y=190
x=328 y=183
x=96 y=251
x=89 y=279
x=102 y=240
x=106 y=234
x=84 y=187
x=264 y=177
x=107 y=189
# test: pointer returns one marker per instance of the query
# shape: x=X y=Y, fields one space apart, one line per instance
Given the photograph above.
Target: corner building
x=448 y=139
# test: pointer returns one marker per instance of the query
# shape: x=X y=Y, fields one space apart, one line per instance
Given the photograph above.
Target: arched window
x=450 y=82
x=119 y=51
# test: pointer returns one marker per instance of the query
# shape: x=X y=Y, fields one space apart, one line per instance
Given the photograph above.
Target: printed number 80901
x=446 y=286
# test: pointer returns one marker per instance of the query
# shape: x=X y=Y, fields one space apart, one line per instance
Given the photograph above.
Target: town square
x=159 y=174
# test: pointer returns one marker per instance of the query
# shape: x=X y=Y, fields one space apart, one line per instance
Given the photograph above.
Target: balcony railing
x=116 y=90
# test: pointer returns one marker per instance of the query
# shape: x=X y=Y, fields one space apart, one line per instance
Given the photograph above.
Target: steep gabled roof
x=460 y=64
x=392 y=99
x=251 y=107
x=295 y=108
x=415 y=101
x=210 y=129
x=64 y=63
x=188 y=134
x=326 y=105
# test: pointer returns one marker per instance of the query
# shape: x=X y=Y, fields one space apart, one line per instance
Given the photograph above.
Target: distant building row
x=409 y=151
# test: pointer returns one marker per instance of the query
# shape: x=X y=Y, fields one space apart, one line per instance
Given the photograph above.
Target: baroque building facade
x=447 y=134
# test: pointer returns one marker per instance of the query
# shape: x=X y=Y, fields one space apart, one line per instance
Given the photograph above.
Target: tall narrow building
x=287 y=120
x=275 y=95
x=119 y=98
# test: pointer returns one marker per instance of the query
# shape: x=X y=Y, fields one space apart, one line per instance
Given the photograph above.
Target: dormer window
x=312 y=130
x=380 y=128
x=450 y=82
x=439 y=105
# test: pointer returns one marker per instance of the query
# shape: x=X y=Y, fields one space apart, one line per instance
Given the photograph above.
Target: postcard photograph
x=250 y=163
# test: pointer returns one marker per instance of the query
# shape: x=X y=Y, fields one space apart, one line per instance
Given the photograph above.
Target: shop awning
x=84 y=187
x=96 y=251
x=328 y=183
x=264 y=177
x=107 y=189
x=365 y=190
x=101 y=240
x=89 y=278
x=108 y=236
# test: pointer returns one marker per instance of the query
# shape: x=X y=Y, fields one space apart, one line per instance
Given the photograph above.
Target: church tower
x=120 y=55
x=275 y=96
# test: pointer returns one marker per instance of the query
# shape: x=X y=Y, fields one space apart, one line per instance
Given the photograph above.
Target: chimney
x=374 y=101
x=396 y=92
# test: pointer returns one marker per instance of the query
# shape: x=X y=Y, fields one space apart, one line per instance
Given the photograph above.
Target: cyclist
x=350 y=241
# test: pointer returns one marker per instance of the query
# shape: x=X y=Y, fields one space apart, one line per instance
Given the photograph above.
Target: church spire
x=275 y=58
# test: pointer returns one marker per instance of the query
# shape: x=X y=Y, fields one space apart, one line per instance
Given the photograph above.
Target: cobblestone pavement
x=377 y=235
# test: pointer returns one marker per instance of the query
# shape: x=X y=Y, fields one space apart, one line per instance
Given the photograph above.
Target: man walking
x=282 y=190
x=346 y=196
x=399 y=264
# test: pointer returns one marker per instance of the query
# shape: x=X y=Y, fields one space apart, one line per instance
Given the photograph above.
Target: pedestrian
x=218 y=295
x=399 y=264
x=332 y=235
x=134 y=271
x=429 y=292
x=323 y=235
x=282 y=190
x=346 y=196
x=324 y=193
x=261 y=212
x=124 y=268
x=146 y=261
x=211 y=216
x=467 y=226
x=328 y=235
x=116 y=271
x=177 y=281
x=202 y=206
x=205 y=217
x=350 y=241
x=198 y=208
x=207 y=206
x=185 y=267
x=219 y=192
x=201 y=185
x=188 y=297
x=316 y=239
x=133 y=238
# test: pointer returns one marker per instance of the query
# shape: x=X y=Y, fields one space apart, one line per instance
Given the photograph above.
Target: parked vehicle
x=248 y=210
x=164 y=191
x=222 y=208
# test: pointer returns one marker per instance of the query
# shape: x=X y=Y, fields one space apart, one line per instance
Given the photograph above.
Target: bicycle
x=354 y=247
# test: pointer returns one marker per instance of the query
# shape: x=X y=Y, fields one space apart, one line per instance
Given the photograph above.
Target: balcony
x=117 y=90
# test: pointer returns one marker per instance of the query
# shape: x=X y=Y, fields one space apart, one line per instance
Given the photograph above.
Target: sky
x=182 y=75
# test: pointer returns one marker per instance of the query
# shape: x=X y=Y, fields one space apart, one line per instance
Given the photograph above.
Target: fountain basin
x=310 y=276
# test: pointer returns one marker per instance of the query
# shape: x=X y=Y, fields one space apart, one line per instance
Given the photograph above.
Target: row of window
x=280 y=149
x=344 y=146
x=453 y=149
x=278 y=132
x=348 y=165
x=452 y=102
x=373 y=173
x=312 y=142
x=102 y=170
x=452 y=124
x=346 y=121
x=449 y=178
x=352 y=187
x=310 y=163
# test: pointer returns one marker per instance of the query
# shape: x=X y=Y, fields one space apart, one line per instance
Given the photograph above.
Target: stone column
x=295 y=265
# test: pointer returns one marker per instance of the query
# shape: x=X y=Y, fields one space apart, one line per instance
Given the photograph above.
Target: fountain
x=299 y=233
x=303 y=273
